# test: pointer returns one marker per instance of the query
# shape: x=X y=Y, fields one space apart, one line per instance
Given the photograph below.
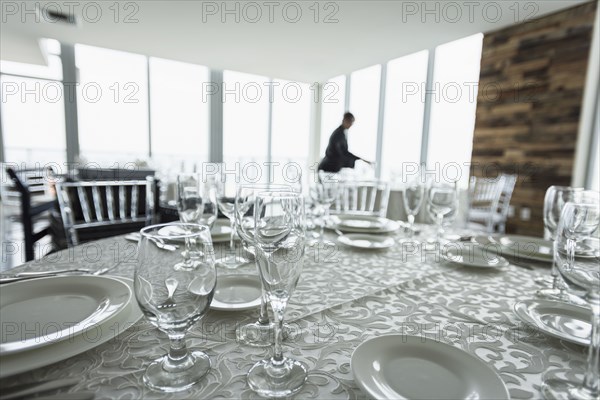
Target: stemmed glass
x=196 y=200
x=257 y=333
x=577 y=255
x=412 y=195
x=554 y=200
x=280 y=240
x=324 y=193
x=174 y=297
x=226 y=188
x=442 y=203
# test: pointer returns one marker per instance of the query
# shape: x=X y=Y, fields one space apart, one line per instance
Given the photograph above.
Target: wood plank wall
x=528 y=105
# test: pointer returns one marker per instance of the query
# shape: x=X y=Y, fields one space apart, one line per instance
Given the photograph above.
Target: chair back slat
x=84 y=201
x=122 y=198
x=96 y=196
x=110 y=203
x=134 y=201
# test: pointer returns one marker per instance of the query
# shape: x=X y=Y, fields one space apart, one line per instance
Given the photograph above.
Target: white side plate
x=12 y=364
x=560 y=320
x=364 y=241
x=236 y=292
x=412 y=367
x=40 y=312
x=523 y=247
x=474 y=256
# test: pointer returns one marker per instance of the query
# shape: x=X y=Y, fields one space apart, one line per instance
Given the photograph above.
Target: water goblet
x=412 y=195
x=442 y=205
x=577 y=256
x=174 y=291
x=280 y=241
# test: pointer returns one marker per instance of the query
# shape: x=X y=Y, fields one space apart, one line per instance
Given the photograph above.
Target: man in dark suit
x=337 y=155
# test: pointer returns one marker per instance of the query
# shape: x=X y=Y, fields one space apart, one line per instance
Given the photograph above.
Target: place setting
x=49 y=319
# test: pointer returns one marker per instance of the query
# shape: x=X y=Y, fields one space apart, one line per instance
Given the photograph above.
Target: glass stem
x=322 y=227
x=411 y=225
x=278 y=310
x=263 y=316
x=178 y=355
x=440 y=230
x=232 y=226
x=591 y=381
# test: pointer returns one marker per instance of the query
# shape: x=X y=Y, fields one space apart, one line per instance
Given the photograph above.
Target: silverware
x=59 y=271
x=161 y=245
x=46 y=274
x=27 y=390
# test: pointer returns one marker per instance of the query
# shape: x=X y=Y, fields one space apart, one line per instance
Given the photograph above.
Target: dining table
x=345 y=297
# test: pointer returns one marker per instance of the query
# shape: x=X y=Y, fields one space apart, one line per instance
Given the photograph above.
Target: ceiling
x=287 y=40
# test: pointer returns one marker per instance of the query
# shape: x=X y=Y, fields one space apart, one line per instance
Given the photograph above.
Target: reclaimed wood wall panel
x=528 y=105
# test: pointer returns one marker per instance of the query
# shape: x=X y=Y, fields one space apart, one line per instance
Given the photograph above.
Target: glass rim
x=145 y=231
x=283 y=194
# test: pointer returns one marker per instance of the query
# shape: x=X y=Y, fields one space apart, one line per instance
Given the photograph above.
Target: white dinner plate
x=12 y=364
x=236 y=292
x=474 y=256
x=364 y=241
x=40 y=312
x=560 y=320
x=413 y=367
x=524 y=247
x=348 y=223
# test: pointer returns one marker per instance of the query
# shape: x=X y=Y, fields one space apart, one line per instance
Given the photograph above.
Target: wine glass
x=174 y=298
x=226 y=188
x=412 y=195
x=324 y=192
x=257 y=333
x=442 y=204
x=279 y=240
x=554 y=200
x=577 y=255
x=196 y=200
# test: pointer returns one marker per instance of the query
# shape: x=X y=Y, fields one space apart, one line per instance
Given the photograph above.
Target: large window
x=364 y=104
x=245 y=121
x=112 y=104
x=454 y=98
x=290 y=128
x=32 y=107
x=332 y=108
x=179 y=114
x=403 y=115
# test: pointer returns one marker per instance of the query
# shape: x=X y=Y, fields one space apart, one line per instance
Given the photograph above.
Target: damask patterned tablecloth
x=344 y=298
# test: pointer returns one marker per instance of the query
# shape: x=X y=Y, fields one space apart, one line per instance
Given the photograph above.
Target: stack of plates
x=47 y=320
x=363 y=224
x=520 y=247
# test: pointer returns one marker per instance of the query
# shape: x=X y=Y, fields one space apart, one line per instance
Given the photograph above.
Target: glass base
x=559 y=389
x=545 y=280
x=270 y=380
x=158 y=378
x=231 y=262
x=558 y=295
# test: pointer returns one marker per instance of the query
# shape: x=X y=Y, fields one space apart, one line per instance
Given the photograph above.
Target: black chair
x=30 y=212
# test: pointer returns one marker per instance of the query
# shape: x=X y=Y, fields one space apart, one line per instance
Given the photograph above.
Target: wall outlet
x=525 y=214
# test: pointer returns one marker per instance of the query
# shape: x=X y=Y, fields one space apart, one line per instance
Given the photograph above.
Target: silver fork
x=45 y=274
